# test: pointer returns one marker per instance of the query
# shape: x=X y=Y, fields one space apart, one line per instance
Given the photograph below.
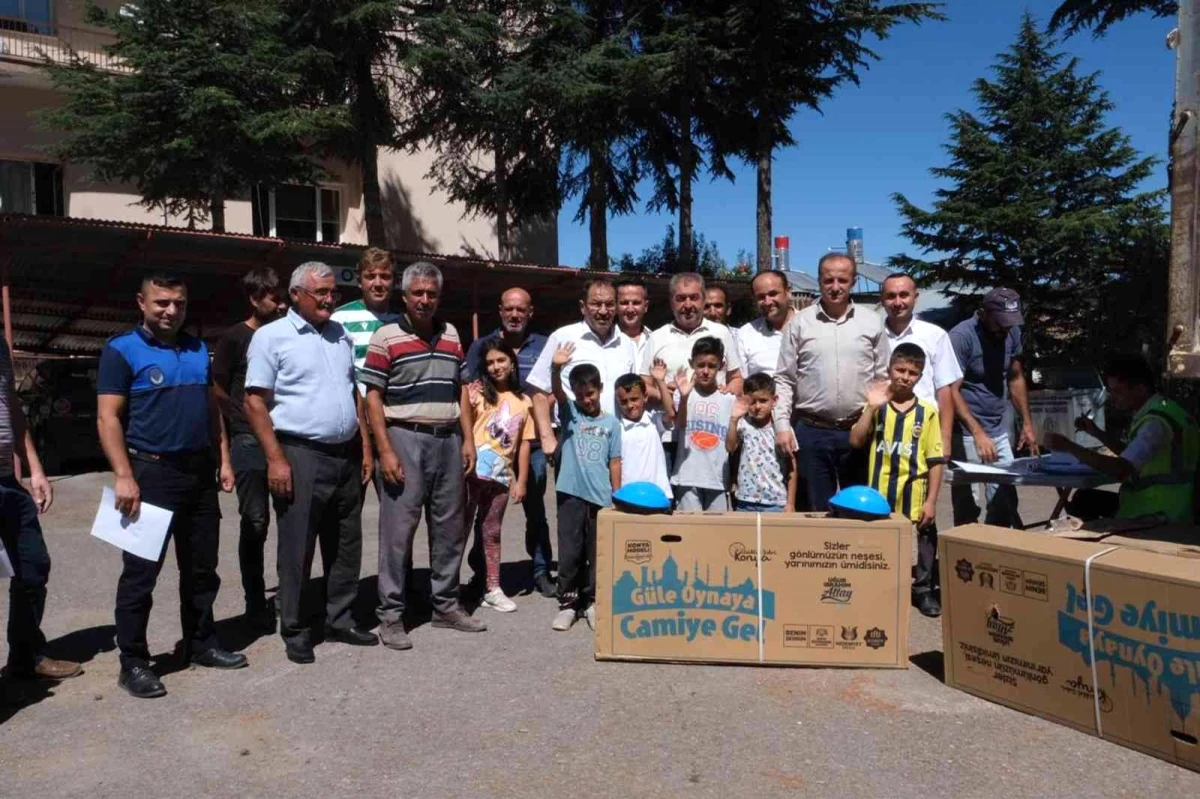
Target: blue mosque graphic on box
x=670 y=591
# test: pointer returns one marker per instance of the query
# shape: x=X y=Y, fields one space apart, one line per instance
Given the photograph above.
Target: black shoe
x=545 y=586
x=928 y=605
x=351 y=635
x=300 y=653
x=217 y=658
x=261 y=619
x=139 y=681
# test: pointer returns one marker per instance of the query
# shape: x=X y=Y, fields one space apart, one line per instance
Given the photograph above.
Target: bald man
x=516 y=311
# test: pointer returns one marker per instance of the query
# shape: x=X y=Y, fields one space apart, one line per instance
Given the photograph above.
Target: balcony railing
x=31 y=42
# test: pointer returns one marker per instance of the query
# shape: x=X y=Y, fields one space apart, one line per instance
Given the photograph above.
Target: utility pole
x=1183 y=300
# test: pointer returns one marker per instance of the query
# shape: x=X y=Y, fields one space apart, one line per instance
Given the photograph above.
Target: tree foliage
x=1043 y=198
x=664 y=258
x=212 y=104
x=1073 y=16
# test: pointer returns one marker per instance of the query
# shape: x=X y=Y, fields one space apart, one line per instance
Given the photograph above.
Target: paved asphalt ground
x=517 y=711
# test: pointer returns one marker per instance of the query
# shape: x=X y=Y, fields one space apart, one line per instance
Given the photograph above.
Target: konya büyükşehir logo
x=688 y=606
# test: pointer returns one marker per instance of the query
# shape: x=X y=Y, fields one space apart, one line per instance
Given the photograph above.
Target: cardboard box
x=1098 y=636
x=693 y=588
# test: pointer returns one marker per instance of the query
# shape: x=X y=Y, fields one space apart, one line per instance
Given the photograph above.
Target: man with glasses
x=598 y=342
x=308 y=417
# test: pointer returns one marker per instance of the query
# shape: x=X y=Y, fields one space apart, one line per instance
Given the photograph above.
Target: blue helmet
x=641 y=498
x=859 y=502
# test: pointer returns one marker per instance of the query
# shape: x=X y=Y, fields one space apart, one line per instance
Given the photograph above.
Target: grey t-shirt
x=985 y=363
x=701 y=460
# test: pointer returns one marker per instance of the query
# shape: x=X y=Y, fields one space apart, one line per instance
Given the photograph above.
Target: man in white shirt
x=632 y=306
x=898 y=295
x=598 y=342
x=758 y=340
x=673 y=342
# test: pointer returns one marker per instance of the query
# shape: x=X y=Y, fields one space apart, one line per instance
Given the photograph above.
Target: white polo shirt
x=941 y=364
x=642 y=457
x=639 y=345
x=614 y=357
x=675 y=347
x=758 y=347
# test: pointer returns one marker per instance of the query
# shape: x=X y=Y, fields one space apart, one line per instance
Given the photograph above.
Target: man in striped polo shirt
x=421 y=422
x=361 y=318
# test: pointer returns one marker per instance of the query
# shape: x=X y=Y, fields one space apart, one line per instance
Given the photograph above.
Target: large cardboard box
x=1099 y=636
x=694 y=588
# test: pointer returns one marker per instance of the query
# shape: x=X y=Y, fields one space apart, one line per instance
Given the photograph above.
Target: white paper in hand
x=6 y=569
x=143 y=536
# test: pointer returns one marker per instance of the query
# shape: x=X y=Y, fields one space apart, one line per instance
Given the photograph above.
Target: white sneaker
x=565 y=618
x=590 y=615
x=496 y=600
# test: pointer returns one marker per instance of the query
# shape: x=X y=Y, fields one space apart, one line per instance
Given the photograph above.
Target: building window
x=27 y=16
x=27 y=187
x=308 y=213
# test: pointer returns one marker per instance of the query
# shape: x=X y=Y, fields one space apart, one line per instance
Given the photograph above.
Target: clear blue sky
x=883 y=136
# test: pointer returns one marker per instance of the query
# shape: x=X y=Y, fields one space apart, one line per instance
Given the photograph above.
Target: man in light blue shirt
x=307 y=416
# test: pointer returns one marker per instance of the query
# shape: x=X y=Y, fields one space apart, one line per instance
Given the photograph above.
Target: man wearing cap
x=829 y=354
x=988 y=348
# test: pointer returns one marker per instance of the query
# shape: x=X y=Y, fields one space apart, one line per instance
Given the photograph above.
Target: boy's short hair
x=709 y=345
x=908 y=352
x=585 y=375
x=627 y=381
x=759 y=381
x=259 y=282
x=375 y=258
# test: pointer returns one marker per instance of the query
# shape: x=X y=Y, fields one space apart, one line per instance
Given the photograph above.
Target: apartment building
x=418 y=218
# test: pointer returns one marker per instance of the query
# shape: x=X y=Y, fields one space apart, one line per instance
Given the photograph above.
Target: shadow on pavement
x=932 y=663
x=80 y=646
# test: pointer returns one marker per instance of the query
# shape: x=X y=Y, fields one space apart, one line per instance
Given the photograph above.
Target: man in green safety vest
x=1156 y=466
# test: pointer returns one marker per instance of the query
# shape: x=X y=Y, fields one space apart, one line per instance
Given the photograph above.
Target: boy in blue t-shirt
x=589 y=470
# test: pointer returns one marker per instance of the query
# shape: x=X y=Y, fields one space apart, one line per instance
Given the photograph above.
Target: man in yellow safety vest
x=1156 y=466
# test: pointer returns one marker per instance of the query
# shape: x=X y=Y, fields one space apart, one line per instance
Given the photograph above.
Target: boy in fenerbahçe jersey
x=902 y=434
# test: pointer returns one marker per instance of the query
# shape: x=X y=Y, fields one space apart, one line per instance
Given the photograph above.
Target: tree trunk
x=217 y=213
x=367 y=111
x=763 y=211
x=687 y=171
x=597 y=209
x=503 y=236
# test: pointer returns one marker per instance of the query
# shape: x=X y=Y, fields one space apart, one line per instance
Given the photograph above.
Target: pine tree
x=207 y=109
x=1100 y=15
x=782 y=55
x=1043 y=198
x=475 y=85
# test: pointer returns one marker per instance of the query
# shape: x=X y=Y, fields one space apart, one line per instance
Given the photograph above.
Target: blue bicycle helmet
x=859 y=502
x=641 y=497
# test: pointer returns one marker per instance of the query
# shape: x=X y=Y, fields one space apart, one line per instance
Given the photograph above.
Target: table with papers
x=1058 y=471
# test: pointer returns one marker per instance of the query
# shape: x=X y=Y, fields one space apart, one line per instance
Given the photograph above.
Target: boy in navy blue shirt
x=589 y=471
x=166 y=452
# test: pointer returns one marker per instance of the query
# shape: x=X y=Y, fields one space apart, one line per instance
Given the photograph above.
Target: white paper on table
x=6 y=569
x=143 y=536
x=979 y=468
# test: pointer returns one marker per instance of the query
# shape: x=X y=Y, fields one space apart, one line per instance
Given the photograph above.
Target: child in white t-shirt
x=642 y=457
x=701 y=474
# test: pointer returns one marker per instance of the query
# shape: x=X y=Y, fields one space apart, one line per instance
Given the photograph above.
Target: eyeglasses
x=323 y=294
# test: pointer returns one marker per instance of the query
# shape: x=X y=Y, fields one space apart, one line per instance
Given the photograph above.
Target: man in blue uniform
x=162 y=437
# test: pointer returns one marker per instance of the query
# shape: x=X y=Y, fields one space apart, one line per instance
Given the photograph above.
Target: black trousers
x=576 y=551
x=250 y=476
x=188 y=488
x=22 y=536
x=925 y=572
x=326 y=506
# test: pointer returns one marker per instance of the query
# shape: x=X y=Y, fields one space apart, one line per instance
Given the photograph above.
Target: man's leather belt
x=827 y=423
x=342 y=450
x=436 y=430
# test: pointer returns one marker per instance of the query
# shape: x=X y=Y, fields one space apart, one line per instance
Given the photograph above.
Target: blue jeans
x=827 y=463
x=758 y=507
x=1001 y=499
x=537 y=529
x=22 y=537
